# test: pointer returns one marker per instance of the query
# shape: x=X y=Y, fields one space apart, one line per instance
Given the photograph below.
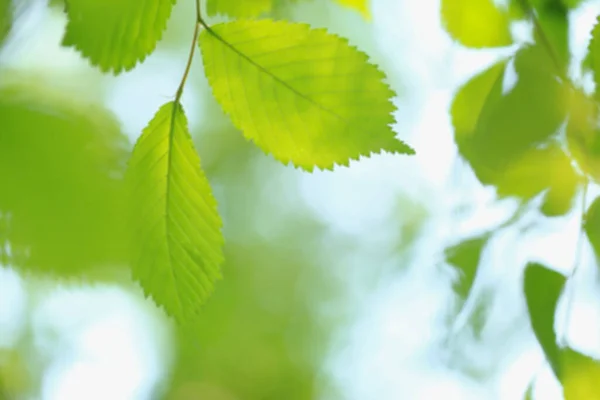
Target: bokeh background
x=335 y=283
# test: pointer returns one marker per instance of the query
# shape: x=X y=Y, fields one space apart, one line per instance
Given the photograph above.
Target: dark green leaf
x=592 y=225
x=6 y=16
x=542 y=288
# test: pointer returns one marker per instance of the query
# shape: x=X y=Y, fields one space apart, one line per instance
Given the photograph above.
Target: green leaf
x=581 y=376
x=529 y=392
x=362 y=6
x=592 y=225
x=465 y=257
x=237 y=8
x=553 y=18
x=301 y=94
x=6 y=16
x=61 y=166
x=543 y=287
x=116 y=36
x=594 y=56
x=509 y=139
x=476 y=23
x=178 y=245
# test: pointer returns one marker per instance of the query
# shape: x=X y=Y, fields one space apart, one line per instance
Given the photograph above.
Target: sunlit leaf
x=115 y=37
x=543 y=287
x=301 y=94
x=507 y=138
x=476 y=23
x=361 y=6
x=178 y=245
x=581 y=376
x=237 y=8
x=465 y=257
x=552 y=16
x=61 y=166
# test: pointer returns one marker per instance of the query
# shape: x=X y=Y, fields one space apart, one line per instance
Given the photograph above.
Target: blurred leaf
x=583 y=136
x=508 y=138
x=553 y=17
x=178 y=259
x=529 y=392
x=594 y=56
x=592 y=225
x=362 y=6
x=476 y=23
x=581 y=380
x=6 y=17
x=293 y=98
x=465 y=257
x=115 y=37
x=237 y=8
x=61 y=162
x=543 y=287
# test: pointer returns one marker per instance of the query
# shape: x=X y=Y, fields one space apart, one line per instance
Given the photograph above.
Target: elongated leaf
x=5 y=18
x=301 y=94
x=178 y=247
x=592 y=226
x=116 y=36
x=581 y=380
x=476 y=23
x=543 y=287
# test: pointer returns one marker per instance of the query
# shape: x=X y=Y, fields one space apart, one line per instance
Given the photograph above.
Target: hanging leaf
x=61 y=166
x=543 y=287
x=178 y=245
x=301 y=94
x=581 y=376
x=115 y=37
x=476 y=23
x=237 y=8
x=508 y=139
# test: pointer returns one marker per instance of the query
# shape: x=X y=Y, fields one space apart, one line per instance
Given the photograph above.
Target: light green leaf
x=543 y=287
x=465 y=257
x=592 y=226
x=115 y=36
x=476 y=23
x=362 y=6
x=178 y=246
x=581 y=376
x=301 y=94
x=237 y=8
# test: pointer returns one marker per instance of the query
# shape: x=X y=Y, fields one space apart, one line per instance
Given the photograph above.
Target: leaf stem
x=577 y=262
x=188 y=65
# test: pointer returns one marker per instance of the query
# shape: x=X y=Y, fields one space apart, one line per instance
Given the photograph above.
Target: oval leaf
x=543 y=287
x=115 y=37
x=476 y=23
x=178 y=247
x=301 y=94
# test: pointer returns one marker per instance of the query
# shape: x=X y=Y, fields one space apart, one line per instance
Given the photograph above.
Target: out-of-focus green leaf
x=592 y=225
x=476 y=23
x=301 y=94
x=553 y=17
x=542 y=288
x=115 y=36
x=581 y=376
x=529 y=392
x=178 y=241
x=362 y=6
x=6 y=17
x=61 y=165
x=583 y=136
x=465 y=257
x=507 y=138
